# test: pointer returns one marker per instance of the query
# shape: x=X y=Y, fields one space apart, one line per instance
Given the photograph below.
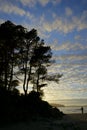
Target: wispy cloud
x=77 y=37
x=11 y=9
x=55 y=2
x=69 y=52
x=2 y=21
x=80 y=22
x=72 y=58
x=68 y=11
x=32 y=3
x=43 y=2
x=62 y=24
x=29 y=3
x=68 y=46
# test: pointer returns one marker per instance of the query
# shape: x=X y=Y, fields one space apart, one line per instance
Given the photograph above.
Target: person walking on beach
x=82 y=110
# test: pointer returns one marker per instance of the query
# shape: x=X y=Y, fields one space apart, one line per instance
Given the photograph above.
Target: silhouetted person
x=82 y=110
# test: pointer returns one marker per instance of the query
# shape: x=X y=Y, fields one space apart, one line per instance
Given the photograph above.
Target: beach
x=68 y=122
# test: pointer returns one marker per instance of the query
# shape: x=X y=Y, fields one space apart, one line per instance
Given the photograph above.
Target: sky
x=63 y=26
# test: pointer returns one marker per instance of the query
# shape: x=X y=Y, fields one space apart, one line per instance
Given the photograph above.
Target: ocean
x=71 y=110
x=72 y=105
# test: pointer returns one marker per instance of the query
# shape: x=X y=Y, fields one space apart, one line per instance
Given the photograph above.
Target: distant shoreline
x=72 y=106
x=69 y=103
x=61 y=105
x=57 y=105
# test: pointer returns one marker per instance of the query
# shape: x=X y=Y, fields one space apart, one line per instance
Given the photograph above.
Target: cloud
x=70 y=85
x=68 y=11
x=54 y=15
x=43 y=2
x=2 y=21
x=11 y=9
x=60 y=24
x=68 y=46
x=65 y=25
x=73 y=67
x=32 y=3
x=37 y=25
x=78 y=37
x=81 y=22
x=56 y=1
x=72 y=58
x=72 y=76
x=29 y=3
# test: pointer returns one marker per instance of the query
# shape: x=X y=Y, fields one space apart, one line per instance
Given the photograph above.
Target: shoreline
x=72 y=109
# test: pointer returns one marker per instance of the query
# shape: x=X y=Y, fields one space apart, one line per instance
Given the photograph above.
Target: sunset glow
x=63 y=26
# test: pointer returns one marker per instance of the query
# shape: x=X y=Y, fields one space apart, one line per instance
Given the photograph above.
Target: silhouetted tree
x=23 y=50
x=23 y=53
x=26 y=52
x=39 y=62
x=6 y=31
x=10 y=43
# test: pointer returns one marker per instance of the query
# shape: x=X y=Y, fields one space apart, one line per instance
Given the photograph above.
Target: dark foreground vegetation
x=16 y=108
x=24 y=59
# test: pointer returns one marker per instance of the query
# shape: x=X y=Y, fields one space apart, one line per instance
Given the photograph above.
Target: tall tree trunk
x=11 y=73
x=38 y=82
x=25 y=77
x=6 y=70
x=28 y=79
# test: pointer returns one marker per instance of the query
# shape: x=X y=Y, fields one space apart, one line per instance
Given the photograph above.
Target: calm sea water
x=72 y=105
x=74 y=109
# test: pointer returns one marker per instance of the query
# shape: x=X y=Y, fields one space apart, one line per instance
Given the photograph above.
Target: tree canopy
x=22 y=52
